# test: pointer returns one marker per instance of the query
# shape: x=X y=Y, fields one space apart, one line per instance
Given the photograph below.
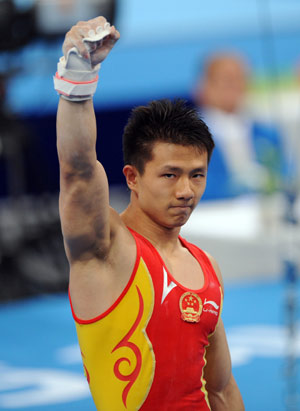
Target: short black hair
x=167 y=121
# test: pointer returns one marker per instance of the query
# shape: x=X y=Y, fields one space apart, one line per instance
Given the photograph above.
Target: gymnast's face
x=173 y=182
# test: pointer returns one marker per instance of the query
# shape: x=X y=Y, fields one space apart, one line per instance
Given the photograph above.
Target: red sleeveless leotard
x=147 y=352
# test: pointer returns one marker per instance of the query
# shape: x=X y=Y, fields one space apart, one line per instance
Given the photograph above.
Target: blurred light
x=55 y=17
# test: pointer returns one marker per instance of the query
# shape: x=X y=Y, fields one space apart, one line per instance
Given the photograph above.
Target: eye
x=169 y=175
x=199 y=175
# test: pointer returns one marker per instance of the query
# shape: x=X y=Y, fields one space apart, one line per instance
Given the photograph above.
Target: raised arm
x=84 y=206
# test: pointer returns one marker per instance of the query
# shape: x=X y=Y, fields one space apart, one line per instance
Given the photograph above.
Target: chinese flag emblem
x=191 y=307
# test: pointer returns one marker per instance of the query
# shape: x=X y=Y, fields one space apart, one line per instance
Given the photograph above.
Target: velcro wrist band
x=72 y=88
x=75 y=78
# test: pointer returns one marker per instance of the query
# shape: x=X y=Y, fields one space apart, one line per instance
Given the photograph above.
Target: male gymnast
x=146 y=303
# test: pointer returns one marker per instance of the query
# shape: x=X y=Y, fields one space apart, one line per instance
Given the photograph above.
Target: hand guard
x=76 y=79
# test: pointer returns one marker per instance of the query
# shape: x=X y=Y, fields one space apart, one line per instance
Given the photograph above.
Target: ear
x=130 y=173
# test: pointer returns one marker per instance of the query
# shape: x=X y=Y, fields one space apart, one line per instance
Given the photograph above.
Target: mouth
x=182 y=207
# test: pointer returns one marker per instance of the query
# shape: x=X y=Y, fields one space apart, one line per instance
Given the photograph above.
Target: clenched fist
x=93 y=39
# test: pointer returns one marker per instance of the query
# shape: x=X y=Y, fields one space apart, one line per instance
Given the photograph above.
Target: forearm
x=76 y=133
x=229 y=399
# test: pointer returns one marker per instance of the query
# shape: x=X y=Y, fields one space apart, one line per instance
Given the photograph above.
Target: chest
x=185 y=306
x=185 y=287
x=181 y=323
x=185 y=269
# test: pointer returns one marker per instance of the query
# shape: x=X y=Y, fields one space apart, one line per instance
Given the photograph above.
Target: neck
x=163 y=238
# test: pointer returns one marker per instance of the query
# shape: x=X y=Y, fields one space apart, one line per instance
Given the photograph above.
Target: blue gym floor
x=40 y=368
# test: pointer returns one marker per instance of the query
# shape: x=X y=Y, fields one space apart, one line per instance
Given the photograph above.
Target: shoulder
x=210 y=258
x=216 y=267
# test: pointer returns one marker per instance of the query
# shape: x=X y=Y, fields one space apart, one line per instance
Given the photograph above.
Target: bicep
x=84 y=212
x=223 y=392
x=218 y=367
x=217 y=371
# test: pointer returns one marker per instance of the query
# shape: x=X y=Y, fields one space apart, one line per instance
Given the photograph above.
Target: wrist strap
x=76 y=79
x=75 y=89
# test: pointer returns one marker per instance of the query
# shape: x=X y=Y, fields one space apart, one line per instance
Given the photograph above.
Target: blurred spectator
x=247 y=156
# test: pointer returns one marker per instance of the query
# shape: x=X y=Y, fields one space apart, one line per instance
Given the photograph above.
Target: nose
x=184 y=190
